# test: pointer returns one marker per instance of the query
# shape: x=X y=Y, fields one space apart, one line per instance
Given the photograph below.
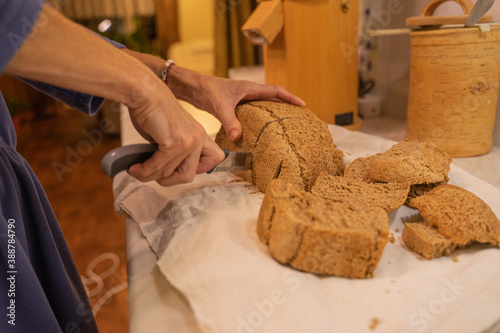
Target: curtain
x=232 y=48
x=88 y=9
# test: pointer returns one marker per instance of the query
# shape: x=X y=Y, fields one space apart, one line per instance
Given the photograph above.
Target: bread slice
x=359 y=169
x=288 y=142
x=424 y=239
x=411 y=161
x=459 y=215
x=388 y=196
x=320 y=236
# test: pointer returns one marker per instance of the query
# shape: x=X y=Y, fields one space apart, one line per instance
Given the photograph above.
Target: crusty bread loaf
x=388 y=196
x=320 y=236
x=288 y=142
x=459 y=215
x=414 y=161
x=424 y=239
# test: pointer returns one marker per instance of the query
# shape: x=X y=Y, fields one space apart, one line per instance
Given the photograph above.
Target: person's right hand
x=184 y=147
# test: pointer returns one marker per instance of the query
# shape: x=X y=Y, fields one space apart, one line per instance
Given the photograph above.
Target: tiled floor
x=65 y=152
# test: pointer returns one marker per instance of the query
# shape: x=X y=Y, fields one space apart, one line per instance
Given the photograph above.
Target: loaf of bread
x=424 y=239
x=288 y=142
x=320 y=236
x=459 y=215
x=388 y=196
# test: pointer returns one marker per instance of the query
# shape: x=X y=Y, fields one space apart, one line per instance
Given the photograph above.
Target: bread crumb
x=397 y=230
x=387 y=291
x=374 y=323
x=454 y=258
x=391 y=238
x=237 y=180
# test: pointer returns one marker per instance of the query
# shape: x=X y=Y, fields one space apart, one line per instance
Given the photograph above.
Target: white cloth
x=204 y=235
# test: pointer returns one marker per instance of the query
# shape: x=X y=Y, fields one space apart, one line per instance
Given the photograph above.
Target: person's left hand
x=220 y=96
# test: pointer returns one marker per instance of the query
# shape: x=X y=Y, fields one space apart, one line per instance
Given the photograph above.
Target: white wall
x=391 y=54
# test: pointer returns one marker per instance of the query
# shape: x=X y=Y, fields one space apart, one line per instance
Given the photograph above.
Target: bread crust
x=320 y=236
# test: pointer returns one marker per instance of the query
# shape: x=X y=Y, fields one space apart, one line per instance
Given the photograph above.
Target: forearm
x=184 y=83
x=67 y=55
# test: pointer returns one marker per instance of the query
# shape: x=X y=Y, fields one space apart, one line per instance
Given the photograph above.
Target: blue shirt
x=40 y=285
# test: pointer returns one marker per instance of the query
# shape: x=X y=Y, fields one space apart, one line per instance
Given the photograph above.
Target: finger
x=184 y=173
x=272 y=92
x=211 y=155
x=160 y=165
x=231 y=125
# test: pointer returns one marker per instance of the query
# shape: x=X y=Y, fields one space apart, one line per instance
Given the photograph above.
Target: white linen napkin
x=204 y=234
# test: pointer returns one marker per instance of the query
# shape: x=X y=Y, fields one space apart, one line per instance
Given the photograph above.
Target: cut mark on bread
x=278 y=170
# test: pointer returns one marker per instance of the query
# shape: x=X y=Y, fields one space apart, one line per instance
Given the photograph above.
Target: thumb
x=231 y=125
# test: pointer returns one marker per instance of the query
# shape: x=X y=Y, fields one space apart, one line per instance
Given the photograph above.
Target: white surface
x=203 y=270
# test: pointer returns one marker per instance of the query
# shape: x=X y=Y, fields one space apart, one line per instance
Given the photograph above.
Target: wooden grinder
x=311 y=49
x=454 y=81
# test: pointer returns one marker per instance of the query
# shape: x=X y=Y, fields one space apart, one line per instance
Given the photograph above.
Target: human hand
x=184 y=148
x=220 y=96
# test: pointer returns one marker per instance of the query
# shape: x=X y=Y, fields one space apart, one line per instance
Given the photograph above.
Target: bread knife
x=122 y=158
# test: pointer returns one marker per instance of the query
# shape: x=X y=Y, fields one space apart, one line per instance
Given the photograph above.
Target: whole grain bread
x=320 y=236
x=424 y=239
x=388 y=196
x=459 y=215
x=414 y=161
x=288 y=142
x=359 y=169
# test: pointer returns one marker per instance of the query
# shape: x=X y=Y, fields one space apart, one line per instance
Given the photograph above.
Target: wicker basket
x=454 y=82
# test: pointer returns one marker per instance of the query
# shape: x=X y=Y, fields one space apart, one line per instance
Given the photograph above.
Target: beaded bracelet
x=166 y=70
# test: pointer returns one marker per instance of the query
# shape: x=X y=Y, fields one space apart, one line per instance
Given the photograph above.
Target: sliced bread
x=459 y=215
x=424 y=239
x=417 y=162
x=388 y=196
x=320 y=236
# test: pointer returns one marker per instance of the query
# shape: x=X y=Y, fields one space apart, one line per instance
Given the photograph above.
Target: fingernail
x=233 y=134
